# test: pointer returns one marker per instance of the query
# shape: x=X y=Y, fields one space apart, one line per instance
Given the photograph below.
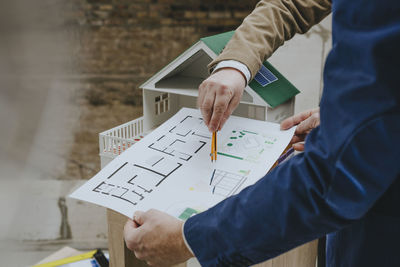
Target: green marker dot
x=233 y=131
x=240 y=136
x=233 y=137
x=229 y=144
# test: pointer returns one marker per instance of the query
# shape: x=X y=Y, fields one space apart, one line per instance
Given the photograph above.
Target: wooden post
x=120 y=255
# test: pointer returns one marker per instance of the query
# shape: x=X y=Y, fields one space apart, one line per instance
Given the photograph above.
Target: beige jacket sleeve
x=270 y=24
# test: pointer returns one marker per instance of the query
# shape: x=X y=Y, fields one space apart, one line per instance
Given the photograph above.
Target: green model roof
x=274 y=93
x=217 y=42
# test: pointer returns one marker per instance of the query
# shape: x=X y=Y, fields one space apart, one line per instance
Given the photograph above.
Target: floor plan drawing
x=170 y=168
x=132 y=182
x=177 y=147
x=186 y=126
x=183 y=140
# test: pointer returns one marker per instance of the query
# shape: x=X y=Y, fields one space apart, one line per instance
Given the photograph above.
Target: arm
x=300 y=200
x=270 y=24
x=261 y=33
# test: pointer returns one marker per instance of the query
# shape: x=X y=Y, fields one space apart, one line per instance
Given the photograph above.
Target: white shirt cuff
x=184 y=239
x=236 y=65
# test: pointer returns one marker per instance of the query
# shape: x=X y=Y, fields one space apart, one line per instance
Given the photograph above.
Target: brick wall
x=139 y=37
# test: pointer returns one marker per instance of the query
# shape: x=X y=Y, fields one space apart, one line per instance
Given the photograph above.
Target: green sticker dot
x=240 y=136
x=233 y=137
x=233 y=131
x=229 y=144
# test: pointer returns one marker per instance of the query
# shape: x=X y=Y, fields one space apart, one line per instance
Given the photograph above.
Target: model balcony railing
x=118 y=139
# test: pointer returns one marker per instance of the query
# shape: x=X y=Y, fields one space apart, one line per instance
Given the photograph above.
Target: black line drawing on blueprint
x=182 y=128
x=133 y=182
x=225 y=183
x=183 y=149
x=192 y=125
x=183 y=140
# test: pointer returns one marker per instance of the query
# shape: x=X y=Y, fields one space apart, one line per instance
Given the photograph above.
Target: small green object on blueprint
x=187 y=213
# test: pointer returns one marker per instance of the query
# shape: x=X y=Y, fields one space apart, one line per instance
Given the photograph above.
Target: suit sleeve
x=270 y=24
x=310 y=195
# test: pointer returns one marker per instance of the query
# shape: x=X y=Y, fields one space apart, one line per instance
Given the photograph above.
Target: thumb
x=138 y=217
x=287 y=123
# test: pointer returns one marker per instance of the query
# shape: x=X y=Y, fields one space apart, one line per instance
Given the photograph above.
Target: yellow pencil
x=215 y=146
x=71 y=259
x=212 y=146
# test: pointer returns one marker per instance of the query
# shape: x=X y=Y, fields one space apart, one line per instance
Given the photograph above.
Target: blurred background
x=71 y=69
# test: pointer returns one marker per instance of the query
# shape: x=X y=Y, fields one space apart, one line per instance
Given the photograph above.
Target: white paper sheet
x=171 y=170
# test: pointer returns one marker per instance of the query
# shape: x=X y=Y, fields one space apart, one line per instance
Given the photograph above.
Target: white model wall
x=152 y=119
x=281 y=112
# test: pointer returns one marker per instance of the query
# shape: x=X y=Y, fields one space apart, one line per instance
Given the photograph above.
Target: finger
x=296 y=119
x=298 y=138
x=206 y=106
x=222 y=100
x=139 y=255
x=298 y=146
x=307 y=125
x=202 y=92
x=231 y=107
x=131 y=224
x=131 y=235
x=139 y=217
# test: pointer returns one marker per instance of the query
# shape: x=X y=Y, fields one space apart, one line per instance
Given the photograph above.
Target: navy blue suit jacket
x=346 y=184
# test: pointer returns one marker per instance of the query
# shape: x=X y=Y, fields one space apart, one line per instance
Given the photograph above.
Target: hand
x=306 y=121
x=156 y=238
x=219 y=95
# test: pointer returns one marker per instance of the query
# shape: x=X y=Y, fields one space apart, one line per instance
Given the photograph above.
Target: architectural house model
x=269 y=97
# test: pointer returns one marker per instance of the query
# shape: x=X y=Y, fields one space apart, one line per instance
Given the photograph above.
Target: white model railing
x=118 y=139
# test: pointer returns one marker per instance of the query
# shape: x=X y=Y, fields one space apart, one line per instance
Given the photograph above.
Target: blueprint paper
x=171 y=170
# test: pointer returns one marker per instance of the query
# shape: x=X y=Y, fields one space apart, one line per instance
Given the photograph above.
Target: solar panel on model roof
x=264 y=76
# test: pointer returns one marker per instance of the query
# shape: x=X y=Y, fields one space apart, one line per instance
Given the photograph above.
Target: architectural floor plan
x=170 y=169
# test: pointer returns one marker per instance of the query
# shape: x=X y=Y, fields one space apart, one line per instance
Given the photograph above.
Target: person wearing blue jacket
x=346 y=183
